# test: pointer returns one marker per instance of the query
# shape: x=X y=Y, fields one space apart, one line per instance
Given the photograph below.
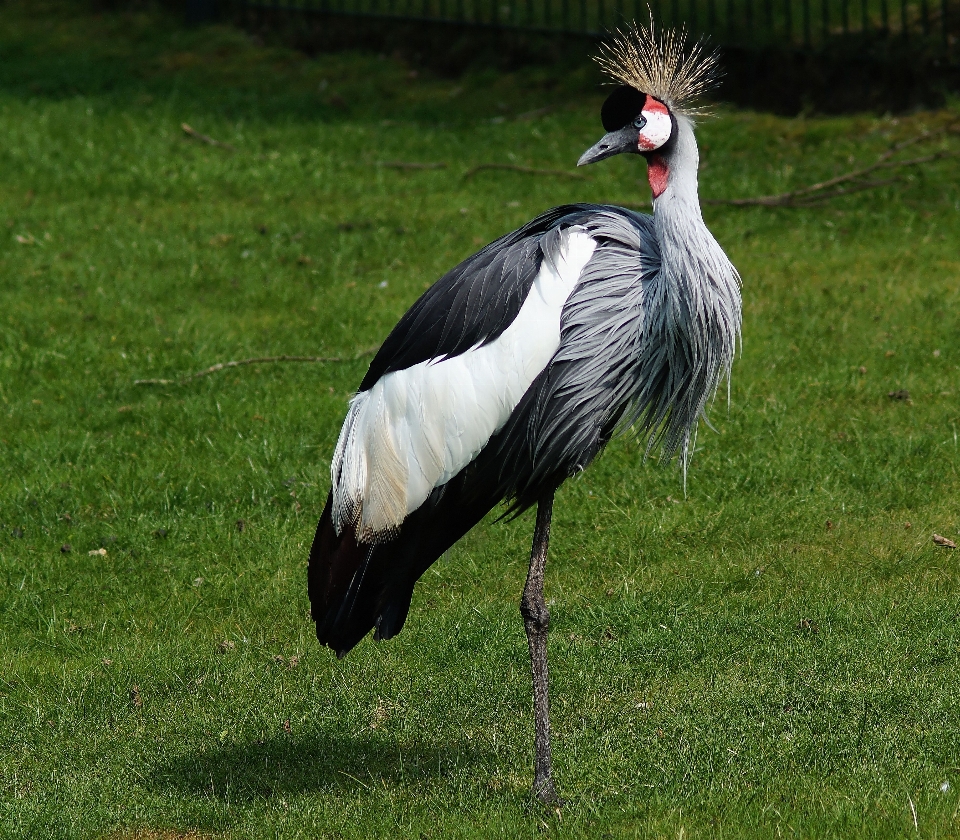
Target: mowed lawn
x=775 y=653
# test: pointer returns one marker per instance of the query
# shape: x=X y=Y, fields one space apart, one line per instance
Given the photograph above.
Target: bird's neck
x=676 y=193
x=698 y=293
x=688 y=249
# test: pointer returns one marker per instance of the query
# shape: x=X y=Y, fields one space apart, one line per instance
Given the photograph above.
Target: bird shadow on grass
x=288 y=764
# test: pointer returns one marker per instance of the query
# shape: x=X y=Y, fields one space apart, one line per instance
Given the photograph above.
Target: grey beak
x=614 y=143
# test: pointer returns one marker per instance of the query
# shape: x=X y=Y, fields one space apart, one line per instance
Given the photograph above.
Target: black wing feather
x=474 y=303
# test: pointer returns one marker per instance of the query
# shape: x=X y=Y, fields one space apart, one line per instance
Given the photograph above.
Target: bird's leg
x=536 y=621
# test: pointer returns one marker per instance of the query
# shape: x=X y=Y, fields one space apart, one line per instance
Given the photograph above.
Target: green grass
x=689 y=698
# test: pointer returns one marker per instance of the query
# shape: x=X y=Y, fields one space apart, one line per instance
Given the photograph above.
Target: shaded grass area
x=725 y=664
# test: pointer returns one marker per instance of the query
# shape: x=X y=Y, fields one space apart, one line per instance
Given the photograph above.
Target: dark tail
x=336 y=562
x=355 y=587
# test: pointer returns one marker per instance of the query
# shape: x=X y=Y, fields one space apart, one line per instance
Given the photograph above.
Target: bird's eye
x=639 y=123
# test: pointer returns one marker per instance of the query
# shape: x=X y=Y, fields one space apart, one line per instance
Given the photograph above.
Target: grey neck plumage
x=699 y=311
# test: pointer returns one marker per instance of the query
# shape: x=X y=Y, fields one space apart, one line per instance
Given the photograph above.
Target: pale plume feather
x=659 y=63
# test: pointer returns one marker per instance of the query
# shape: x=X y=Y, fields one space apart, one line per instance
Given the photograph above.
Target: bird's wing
x=605 y=371
x=453 y=370
x=356 y=584
x=474 y=302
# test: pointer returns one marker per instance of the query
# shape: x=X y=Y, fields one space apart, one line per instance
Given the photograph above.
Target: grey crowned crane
x=511 y=373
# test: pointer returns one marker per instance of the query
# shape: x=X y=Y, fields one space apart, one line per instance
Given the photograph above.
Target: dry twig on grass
x=528 y=170
x=849 y=182
x=203 y=138
x=369 y=351
x=402 y=164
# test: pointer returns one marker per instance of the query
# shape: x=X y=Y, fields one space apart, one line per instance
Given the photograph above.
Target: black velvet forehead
x=621 y=107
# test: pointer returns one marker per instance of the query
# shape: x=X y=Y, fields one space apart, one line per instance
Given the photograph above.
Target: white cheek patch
x=656 y=132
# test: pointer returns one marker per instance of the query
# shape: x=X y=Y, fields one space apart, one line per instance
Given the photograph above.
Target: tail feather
x=356 y=587
x=349 y=582
x=334 y=564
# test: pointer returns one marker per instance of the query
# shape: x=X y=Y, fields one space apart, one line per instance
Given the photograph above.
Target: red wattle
x=657 y=172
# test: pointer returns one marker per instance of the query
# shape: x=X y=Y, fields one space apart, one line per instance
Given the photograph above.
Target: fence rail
x=931 y=24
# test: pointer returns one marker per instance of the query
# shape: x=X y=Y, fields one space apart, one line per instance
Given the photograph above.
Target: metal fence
x=928 y=24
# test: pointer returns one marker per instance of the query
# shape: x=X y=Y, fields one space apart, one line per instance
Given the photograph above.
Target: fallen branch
x=528 y=170
x=831 y=188
x=203 y=138
x=402 y=164
x=254 y=361
x=799 y=200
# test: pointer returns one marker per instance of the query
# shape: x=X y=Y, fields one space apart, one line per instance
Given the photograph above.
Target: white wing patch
x=415 y=429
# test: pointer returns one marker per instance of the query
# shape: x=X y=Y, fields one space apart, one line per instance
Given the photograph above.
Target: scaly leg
x=536 y=621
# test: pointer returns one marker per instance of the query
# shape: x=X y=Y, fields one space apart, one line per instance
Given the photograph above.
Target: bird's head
x=659 y=81
x=636 y=123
